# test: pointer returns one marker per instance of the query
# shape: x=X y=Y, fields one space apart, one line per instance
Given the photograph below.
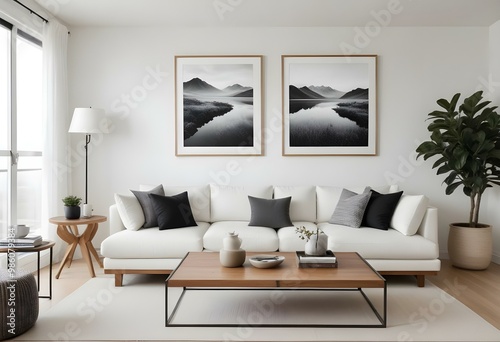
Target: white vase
x=231 y=242
x=231 y=255
x=315 y=246
x=232 y=258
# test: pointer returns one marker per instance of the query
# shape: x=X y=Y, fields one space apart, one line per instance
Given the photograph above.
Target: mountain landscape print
x=329 y=105
x=218 y=106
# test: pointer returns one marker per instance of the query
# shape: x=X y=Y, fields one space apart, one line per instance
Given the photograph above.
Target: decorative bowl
x=266 y=261
x=20 y=231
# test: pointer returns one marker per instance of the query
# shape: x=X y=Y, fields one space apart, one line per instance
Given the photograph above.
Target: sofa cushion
x=253 y=238
x=230 y=203
x=350 y=208
x=152 y=243
x=328 y=197
x=199 y=198
x=373 y=243
x=272 y=213
x=130 y=211
x=303 y=205
x=409 y=213
x=380 y=208
x=146 y=205
x=173 y=211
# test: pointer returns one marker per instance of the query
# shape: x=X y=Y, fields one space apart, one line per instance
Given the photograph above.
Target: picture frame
x=218 y=105
x=329 y=105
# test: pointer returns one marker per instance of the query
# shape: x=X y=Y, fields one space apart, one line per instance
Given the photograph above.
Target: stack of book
x=312 y=261
x=27 y=241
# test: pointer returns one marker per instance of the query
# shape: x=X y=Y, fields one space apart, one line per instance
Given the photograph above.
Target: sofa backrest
x=213 y=202
x=303 y=204
x=230 y=202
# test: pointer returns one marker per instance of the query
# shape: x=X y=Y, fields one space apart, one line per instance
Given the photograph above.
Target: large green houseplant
x=467 y=144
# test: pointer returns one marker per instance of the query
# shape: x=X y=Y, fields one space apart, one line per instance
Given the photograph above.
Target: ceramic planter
x=315 y=246
x=470 y=248
x=72 y=213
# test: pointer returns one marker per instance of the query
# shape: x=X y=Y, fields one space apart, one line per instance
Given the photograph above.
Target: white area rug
x=136 y=312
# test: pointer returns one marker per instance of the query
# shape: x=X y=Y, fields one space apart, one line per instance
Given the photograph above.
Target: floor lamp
x=88 y=121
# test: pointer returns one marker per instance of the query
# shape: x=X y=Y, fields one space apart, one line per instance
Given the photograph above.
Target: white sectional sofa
x=409 y=246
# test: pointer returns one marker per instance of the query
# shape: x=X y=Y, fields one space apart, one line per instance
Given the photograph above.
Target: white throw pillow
x=130 y=211
x=409 y=213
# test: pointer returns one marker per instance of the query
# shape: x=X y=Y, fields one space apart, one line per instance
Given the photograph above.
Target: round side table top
x=64 y=221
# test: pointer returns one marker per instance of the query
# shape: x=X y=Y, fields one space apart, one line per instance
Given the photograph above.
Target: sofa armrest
x=429 y=226
x=115 y=221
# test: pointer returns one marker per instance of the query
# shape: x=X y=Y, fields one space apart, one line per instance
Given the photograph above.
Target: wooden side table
x=68 y=231
x=27 y=249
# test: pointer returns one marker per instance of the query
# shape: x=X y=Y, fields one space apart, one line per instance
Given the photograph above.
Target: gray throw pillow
x=350 y=208
x=147 y=206
x=272 y=213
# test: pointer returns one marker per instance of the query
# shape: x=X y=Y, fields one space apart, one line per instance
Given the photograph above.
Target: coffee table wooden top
x=203 y=269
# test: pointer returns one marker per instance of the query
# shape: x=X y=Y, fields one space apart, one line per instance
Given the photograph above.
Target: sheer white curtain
x=55 y=176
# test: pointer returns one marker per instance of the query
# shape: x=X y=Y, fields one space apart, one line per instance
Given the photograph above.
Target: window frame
x=12 y=150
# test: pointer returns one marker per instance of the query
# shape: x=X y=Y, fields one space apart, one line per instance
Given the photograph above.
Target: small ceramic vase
x=231 y=255
x=231 y=242
x=232 y=258
x=315 y=246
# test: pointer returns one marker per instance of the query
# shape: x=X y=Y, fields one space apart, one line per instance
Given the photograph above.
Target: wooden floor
x=479 y=290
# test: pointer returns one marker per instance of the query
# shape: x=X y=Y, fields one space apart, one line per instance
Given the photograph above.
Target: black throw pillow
x=272 y=213
x=173 y=211
x=147 y=207
x=380 y=208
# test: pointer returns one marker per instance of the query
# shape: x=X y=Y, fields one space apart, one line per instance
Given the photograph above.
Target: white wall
x=416 y=66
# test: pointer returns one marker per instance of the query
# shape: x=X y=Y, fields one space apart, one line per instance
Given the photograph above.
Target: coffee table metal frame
x=382 y=317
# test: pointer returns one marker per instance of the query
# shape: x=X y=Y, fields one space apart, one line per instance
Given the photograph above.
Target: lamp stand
x=87 y=141
x=87 y=208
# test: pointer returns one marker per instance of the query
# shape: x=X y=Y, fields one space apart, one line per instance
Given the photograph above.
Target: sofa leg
x=420 y=280
x=118 y=279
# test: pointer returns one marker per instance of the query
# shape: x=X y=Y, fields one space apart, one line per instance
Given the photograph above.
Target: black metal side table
x=27 y=249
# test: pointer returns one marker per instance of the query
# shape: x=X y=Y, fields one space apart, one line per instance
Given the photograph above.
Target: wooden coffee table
x=203 y=270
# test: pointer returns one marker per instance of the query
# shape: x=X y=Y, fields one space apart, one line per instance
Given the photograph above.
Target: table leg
x=50 y=274
x=85 y=243
x=86 y=256
x=38 y=270
x=72 y=241
x=91 y=246
x=74 y=230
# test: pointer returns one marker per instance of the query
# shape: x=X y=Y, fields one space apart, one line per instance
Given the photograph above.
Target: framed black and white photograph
x=329 y=105
x=218 y=104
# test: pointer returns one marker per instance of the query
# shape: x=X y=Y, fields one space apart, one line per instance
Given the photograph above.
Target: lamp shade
x=88 y=120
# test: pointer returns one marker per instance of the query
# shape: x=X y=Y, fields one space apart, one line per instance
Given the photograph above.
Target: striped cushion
x=350 y=208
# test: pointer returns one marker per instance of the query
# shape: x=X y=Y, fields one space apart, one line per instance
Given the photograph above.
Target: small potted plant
x=316 y=241
x=72 y=207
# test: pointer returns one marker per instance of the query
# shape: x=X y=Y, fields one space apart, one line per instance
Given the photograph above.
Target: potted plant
x=467 y=143
x=72 y=207
x=316 y=241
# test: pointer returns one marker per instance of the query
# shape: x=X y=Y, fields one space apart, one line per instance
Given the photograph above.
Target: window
x=21 y=128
